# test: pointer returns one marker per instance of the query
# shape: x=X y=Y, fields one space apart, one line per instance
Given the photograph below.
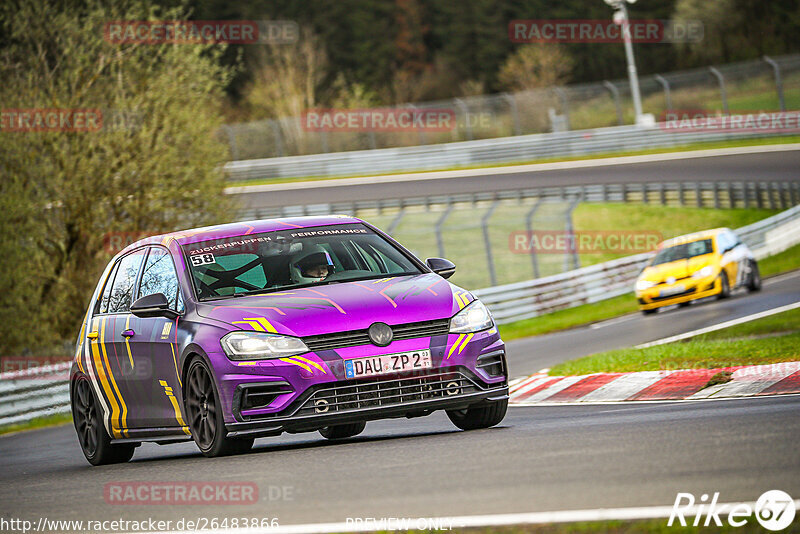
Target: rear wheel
x=725 y=292
x=95 y=442
x=685 y=304
x=343 y=431
x=205 y=415
x=754 y=278
x=482 y=416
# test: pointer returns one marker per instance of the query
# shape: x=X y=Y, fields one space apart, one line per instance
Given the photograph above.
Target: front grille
x=676 y=295
x=348 y=395
x=353 y=338
x=664 y=282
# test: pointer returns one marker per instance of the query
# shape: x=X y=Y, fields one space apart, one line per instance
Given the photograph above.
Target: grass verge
x=39 y=422
x=785 y=261
x=772 y=339
x=682 y=148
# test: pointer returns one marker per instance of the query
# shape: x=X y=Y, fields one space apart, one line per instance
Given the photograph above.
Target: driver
x=312 y=264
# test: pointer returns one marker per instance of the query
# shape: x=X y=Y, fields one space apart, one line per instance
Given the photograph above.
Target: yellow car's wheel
x=725 y=292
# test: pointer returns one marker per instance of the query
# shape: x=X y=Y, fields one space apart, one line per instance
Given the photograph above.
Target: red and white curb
x=746 y=381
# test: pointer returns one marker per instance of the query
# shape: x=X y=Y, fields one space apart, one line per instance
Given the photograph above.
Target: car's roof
x=223 y=231
x=688 y=238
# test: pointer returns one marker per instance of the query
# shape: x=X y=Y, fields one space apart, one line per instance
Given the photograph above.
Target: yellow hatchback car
x=694 y=266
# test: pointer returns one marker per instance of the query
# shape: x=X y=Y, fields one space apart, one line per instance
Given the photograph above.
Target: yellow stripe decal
x=465 y=343
x=124 y=418
x=311 y=362
x=453 y=348
x=461 y=303
x=101 y=375
x=127 y=344
x=175 y=406
x=304 y=366
x=172 y=348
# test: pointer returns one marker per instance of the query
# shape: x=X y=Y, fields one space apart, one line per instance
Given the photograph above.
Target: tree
x=158 y=169
x=535 y=65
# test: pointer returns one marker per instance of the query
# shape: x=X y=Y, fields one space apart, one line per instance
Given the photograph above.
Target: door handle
x=128 y=333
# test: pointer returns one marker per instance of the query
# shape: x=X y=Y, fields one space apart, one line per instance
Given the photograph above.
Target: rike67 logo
x=774 y=510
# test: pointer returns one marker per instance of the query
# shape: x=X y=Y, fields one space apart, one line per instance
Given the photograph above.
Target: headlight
x=259 y=346
x=641 y=285
x=473 y=318
x=705 y=271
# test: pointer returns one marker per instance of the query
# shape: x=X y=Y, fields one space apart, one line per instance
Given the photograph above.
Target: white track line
x=496 y=520
x=512 y=169
x=720 y=326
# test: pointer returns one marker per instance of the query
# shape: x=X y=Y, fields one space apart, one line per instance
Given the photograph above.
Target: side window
x=159 y=276
x=107 y=290
x=122 y=291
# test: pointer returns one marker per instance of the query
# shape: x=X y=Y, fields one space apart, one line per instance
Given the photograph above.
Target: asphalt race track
x=774 y=166
x=538 y=459
x=526 y=356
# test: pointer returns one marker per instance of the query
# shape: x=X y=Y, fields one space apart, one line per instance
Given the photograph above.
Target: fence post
x=778 y=81
x=615 y=95
x=512 y=105
x=420 y=133
x=487 y=242
x=667 y=93
x=571 y=235
x=393 y=225
x=529 y=228
x=439 y=224
x=721 y=79
x=465 y=112
x=745 y=195
x=716 y=195
x=731 y=199
x=276 y=131
x=698 y=194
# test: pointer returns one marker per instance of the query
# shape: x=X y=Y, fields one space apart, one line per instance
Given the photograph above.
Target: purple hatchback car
x=233 y=332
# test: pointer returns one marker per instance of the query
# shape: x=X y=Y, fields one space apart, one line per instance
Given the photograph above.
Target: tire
x=725 y=292
x=483 y=416
x=343 y=431
x=204 y=411
x=92 y=436
x=754 y=279
x=685 y=304
x=651 y=311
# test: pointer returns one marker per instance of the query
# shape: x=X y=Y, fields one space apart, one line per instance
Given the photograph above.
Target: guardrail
x=44 y=391
x=524 y=300
x=35 y=392
x=484 y=151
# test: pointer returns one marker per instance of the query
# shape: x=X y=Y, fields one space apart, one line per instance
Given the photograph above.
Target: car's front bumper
x=693 y=289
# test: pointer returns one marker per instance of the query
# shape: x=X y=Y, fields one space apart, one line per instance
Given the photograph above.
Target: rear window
x=289 y=259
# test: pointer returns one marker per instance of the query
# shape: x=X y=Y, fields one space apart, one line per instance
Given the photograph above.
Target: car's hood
x=677 y=269
x=341 y=306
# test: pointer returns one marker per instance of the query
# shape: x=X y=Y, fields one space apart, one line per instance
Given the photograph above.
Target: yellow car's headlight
x=641 y=285
x=702 y=273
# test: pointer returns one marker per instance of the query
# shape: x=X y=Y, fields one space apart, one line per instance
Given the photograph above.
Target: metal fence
x=524 y=300
x=473 y=229
x=725 y=88
x=486 y=151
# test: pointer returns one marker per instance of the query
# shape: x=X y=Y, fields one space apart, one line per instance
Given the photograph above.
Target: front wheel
x=725 y=292
x=651 y=311
x=343 y=431
x=95 y=442
x=205 y=415
x=482 y=416
x=754 y=278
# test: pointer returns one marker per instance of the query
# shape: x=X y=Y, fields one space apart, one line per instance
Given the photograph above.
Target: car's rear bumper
x=342 y=404
x=702 y=288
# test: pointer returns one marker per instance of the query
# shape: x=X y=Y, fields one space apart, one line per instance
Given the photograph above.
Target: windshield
x=289 y=259
x=683 y=251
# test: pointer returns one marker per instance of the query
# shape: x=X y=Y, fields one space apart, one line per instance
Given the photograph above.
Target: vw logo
x=321 y=406
x=671 y=280
x=380 y=334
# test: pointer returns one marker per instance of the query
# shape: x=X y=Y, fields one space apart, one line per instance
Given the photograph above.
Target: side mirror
x=155 y=305
x=442 y=267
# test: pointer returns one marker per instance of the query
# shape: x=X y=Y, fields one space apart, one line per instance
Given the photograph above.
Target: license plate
x=671 y=291
x=388 y=363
